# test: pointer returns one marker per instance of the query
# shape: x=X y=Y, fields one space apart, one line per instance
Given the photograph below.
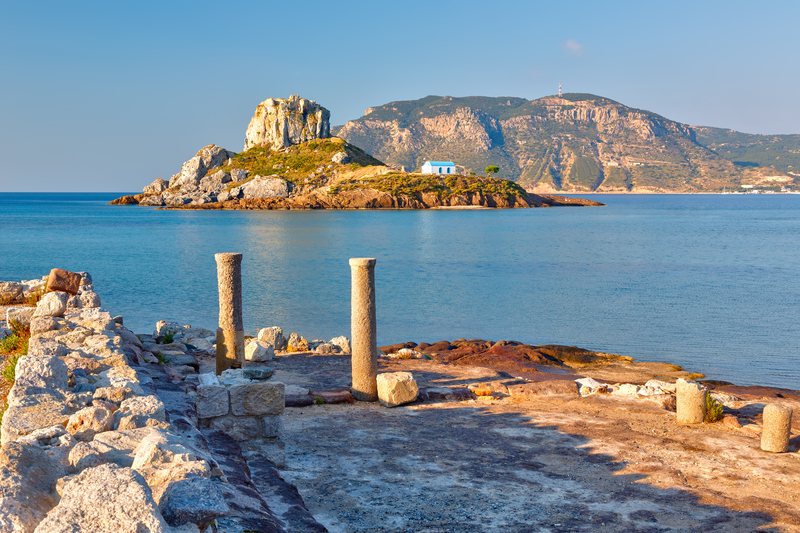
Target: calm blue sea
x=708 y=282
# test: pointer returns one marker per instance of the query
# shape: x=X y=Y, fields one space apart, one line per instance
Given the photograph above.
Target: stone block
x=272 y=426
x=41 y=324
x=333 y=396
x=63 y=281
x=240 y=428
x=258 y=399
x=397 y=388
x=211 y=401
x=194 y=500
x=41 y=371
x=143 y=407
x=10 y=291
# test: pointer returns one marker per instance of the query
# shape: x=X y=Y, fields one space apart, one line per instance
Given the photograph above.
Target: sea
x=708 y=282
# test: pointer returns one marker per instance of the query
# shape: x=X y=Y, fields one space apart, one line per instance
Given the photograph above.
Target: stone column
x=777 y=428
x=691 y=402
x=364 y=349
x=230 y=334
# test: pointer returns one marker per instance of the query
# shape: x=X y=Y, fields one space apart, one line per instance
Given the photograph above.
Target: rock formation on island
x=280 y=123
x=290 y=161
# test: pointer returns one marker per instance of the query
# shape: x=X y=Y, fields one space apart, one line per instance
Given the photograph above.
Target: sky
x=108 y=96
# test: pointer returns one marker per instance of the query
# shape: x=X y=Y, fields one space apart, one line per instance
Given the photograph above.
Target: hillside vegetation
x=577 y=143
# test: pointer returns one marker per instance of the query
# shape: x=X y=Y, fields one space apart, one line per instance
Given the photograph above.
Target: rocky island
x=290 y=161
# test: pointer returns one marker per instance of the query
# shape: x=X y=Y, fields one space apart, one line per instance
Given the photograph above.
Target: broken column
x=691 y=402
x=777 y=428
x=364 y=347
x=230 y=334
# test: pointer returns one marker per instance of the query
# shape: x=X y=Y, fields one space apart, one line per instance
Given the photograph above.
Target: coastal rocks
x=193 y=170
x=274 y=336
x=10 y=291
x=279 y=123
x=266 y=187
x=397 y=388
x=52 y=304
x=157 y=187
x=296 y=343
x=258 y=351
x=87 y=422
x=153 y=201
x=343 y=343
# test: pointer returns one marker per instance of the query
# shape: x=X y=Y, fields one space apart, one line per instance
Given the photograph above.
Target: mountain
x=573 y=143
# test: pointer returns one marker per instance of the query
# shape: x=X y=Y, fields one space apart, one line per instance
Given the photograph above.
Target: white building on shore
x=439 y=167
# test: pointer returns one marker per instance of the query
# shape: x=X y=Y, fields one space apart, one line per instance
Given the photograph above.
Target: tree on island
x=492 y=169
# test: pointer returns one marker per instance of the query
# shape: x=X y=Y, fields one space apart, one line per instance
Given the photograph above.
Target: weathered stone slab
x=332 y=396
x=240 y=428
x=274 y=336
x=559 y=387
x=31 y=412
x=445 y=394
x=258 y=351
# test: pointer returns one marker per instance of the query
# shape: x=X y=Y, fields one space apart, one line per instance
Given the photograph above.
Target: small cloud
x=573 y=47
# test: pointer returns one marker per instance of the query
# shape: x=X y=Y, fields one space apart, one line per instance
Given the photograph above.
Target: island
x=290 y=161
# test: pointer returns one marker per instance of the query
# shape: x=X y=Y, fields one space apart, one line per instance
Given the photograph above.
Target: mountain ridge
x=578 y=142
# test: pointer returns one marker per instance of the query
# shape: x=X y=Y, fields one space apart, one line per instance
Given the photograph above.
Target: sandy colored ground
x=599 y=463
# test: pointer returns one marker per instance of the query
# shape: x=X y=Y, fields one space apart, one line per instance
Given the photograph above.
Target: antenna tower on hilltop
x=559 y=89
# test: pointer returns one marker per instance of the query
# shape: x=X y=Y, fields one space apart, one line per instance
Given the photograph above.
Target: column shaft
x=364 y=348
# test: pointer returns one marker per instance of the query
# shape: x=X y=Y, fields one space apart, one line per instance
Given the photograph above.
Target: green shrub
x=9 y=371
x=713 y=409
x=169 y=337
x=318 y=400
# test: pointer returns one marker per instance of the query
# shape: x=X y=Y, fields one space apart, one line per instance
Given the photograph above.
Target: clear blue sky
x=108 y=96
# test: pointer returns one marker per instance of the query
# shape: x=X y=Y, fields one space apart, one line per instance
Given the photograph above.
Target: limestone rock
x=296 y=343
x=154 y=201
x=266 y=187
x=87 y=422
x=157 y=187
x=343 y=343
x=194 y=500
x=239 y=174
x=214 y=183
x=22 y=315
x=340 y=158
x=240 y=429
x=30 y=412
x=90 y=299
x=258 y=351
x=41 y=324
x=396 y=388
x=54 y=441
x=52 y=304
x=47 y=372
x=137 y=410
x=327 y=348
x=10 y=291
x=84 y=456
x=280 y=123
x=105 y=499
x=27 y=486
x=273 y=336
